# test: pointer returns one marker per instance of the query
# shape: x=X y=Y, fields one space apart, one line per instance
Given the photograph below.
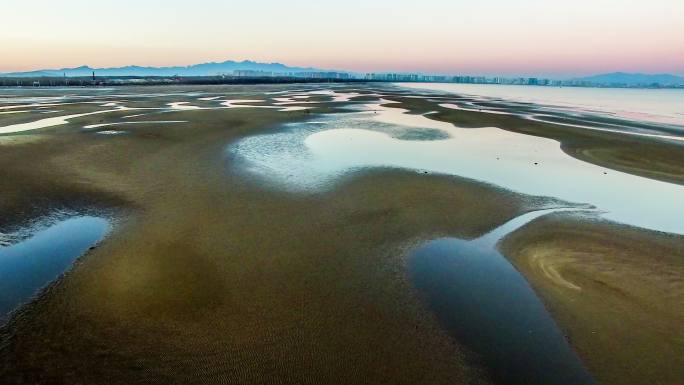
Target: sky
x=485 y=37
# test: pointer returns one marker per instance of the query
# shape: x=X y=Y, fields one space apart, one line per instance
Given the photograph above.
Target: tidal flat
x=243 y=253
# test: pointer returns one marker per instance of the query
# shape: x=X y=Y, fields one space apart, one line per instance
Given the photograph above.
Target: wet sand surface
x=617 y=291
x=210 y=276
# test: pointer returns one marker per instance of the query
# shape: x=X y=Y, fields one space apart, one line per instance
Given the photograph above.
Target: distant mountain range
x=634 y=79
x=229 y=66
x=204 y=69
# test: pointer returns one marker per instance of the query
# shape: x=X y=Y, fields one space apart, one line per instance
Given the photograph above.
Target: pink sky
x=505 y=37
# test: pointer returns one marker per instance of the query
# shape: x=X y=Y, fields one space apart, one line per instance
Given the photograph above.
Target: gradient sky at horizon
x=507 y=37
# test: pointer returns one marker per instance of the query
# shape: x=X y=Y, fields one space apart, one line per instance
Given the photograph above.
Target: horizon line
x=314 y=68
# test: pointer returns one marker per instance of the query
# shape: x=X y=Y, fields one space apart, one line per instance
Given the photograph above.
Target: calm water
x=482 y=300
x=317 y=155
x=28 y=266
x=652 y=105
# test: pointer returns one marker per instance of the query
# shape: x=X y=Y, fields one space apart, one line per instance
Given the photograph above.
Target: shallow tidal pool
x=34 y=262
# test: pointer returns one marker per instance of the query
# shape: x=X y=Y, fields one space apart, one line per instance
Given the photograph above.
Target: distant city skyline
x=496 y=37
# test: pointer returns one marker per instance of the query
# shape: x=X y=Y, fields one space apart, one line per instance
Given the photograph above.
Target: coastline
x=633 y=104
x=647 y=157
